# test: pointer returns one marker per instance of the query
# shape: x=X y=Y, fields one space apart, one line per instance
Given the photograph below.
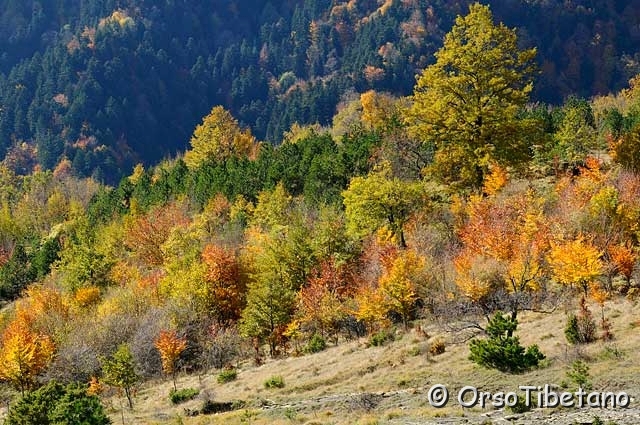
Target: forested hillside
x=107 y=84
x=462 y=206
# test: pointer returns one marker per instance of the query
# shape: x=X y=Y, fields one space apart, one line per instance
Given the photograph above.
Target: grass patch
x=227 y=375
x=274 y=382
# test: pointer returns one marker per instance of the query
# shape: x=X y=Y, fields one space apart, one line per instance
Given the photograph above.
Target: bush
x=579 y=374
x=521 y=406
x=501 y=350
x=315 y=344
x=437 y=347
x=581 y=328
x=57 y=404
x=274 y=382
x=180 y=396
x=210 y=407
x=380 y=338
x=227 y=375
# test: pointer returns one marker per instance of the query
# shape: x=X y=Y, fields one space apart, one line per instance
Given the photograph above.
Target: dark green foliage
x=502 y=350
x=59 y=405
x=44 y=258
x=210 y=407
x=315 y=344
x=135 y=92
x=227 y=375
x=180 y=396
x=581 y=328
x=380 y=338
x=16 y=274
x=521 y=406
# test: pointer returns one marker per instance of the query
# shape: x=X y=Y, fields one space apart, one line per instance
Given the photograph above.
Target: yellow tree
x=219 y=138
x=25 y=355
x=378 y=200
x=170 y=346
x=576 y=263
x=398 y=283
x=466 y=104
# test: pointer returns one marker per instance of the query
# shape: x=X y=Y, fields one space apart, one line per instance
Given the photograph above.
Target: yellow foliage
x=136 y=175
x=575 y=262
x=377 y=109
x=371 y=308
x=398 y=284
x=299 y=132
x=598 y=294
x=474 y=276
x=219 y=138
x=24 y=355
x=495 y=180
x=89 y=295
x=118 y=17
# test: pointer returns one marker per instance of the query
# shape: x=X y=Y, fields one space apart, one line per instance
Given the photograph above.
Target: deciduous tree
x=575 y=262
x=466 y=104
x=119 y=371
x=25 y=355
x=219 y=138
x=170 y=346
x=379 y=199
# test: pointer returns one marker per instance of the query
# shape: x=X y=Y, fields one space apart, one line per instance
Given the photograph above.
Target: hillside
x=357 y=384
x=110 y=84
x=462 y=234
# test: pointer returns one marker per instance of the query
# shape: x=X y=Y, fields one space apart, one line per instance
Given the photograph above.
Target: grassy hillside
x=353 y=383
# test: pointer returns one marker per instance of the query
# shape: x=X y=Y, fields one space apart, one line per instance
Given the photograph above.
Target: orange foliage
x=170 y=347
x=24 y=355
x=322 y=302
x=623 y=259
x=95 y=386
x=145 y=234
x=226 y=288
x=502 y=240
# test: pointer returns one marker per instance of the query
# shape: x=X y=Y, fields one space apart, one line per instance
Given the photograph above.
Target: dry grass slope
x=355 y=384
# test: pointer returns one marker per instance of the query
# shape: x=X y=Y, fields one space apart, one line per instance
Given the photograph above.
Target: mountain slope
x=109 y=84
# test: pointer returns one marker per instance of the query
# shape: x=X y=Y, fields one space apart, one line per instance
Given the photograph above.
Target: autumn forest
x=451 y=175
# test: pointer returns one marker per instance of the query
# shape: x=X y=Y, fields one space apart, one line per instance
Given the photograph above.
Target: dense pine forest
x=186 y=186
x=112 y=83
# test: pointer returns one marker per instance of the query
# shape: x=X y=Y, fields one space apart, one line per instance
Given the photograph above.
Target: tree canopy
x=466 y=104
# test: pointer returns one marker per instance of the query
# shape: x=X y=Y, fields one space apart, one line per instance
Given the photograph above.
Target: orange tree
x=504 y=241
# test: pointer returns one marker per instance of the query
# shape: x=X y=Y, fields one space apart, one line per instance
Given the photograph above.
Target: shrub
x=274 y=382
x=315 y=344
x=227 y=375
x=503 y=351
x=579 y=374
x=581 y=328
x=180 y=396
x=380 y=338
x=210 y=407
x=521 y=406
x=437 y=347
x=57 y=404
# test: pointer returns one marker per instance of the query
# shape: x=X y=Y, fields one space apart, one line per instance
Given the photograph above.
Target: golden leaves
x=25 y=354
x=575 y=262
x=170 y=347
